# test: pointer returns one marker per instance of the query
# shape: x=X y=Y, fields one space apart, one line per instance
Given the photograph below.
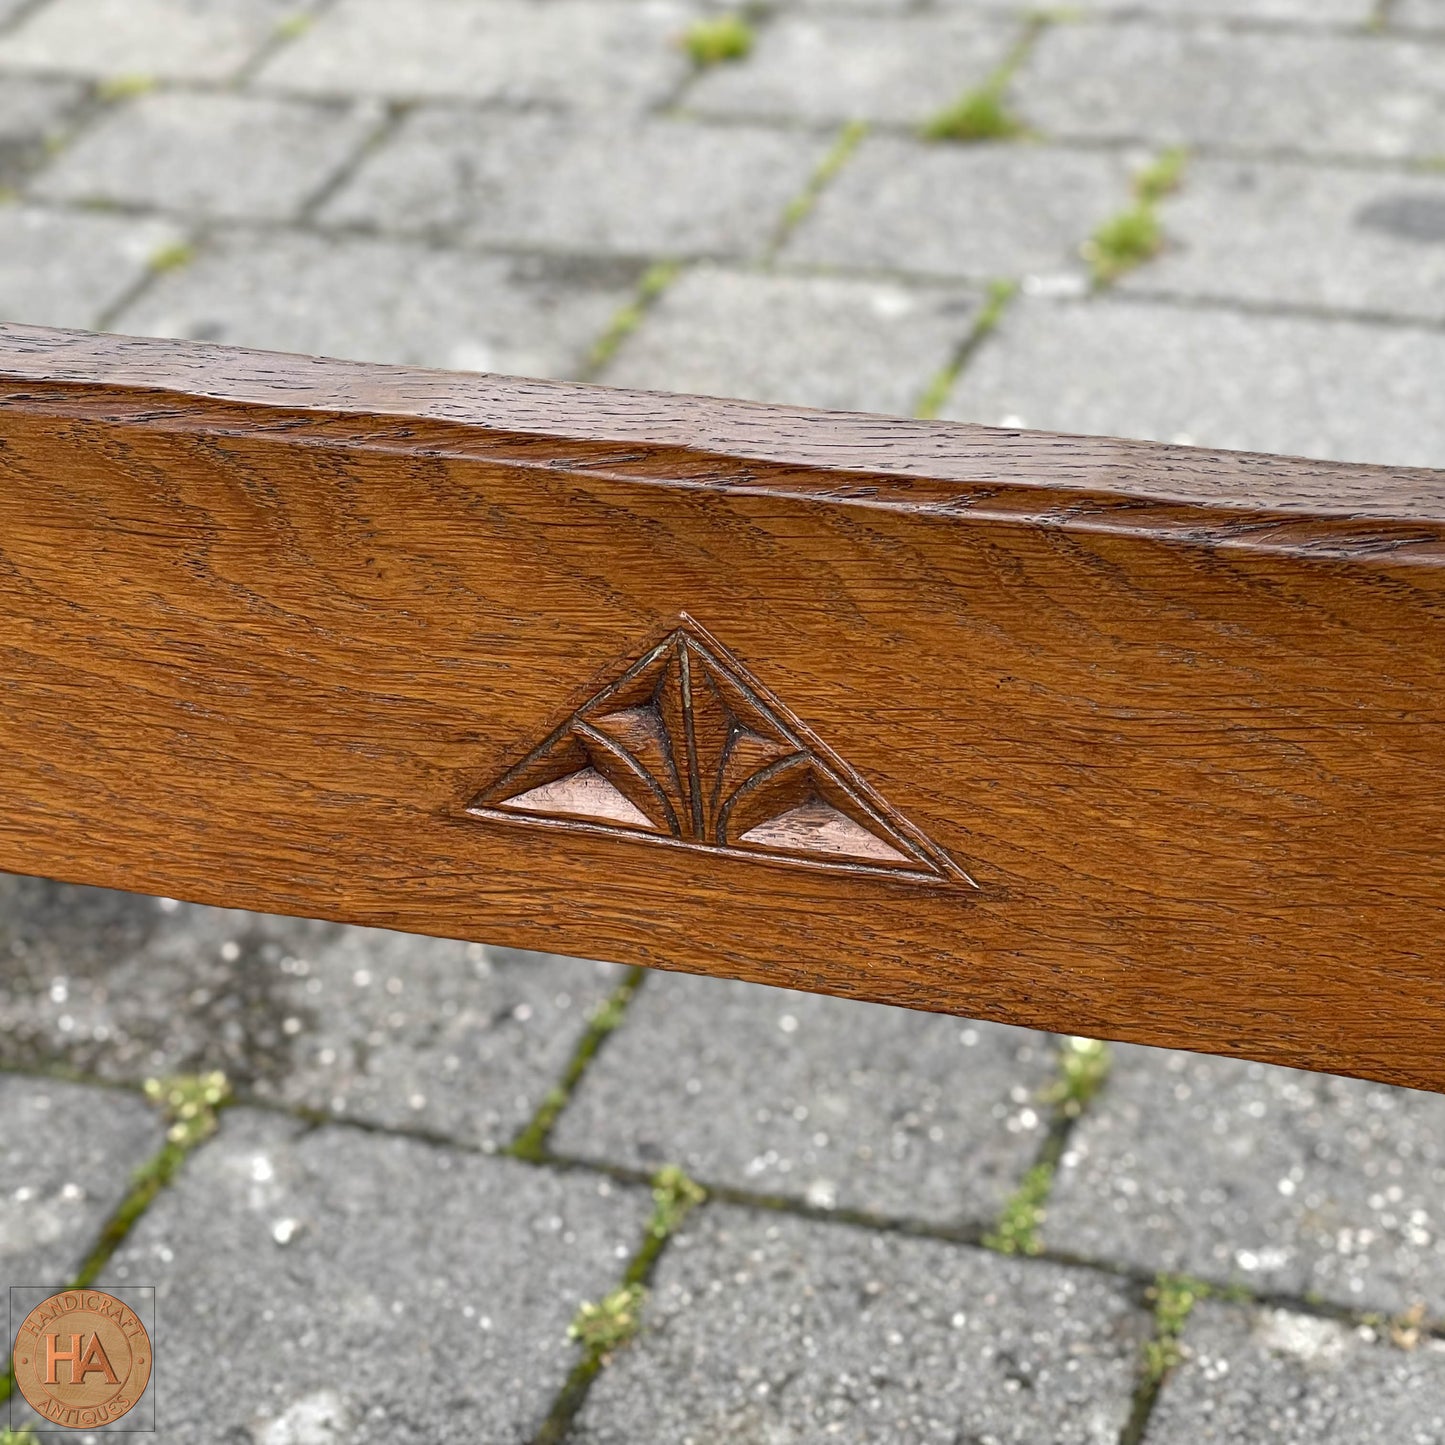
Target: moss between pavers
x=1083 y=1068
x=294 y=26
x=172 y=257
x=531 y=1143
x=124 y=87
x=1135 y=235
x=1017 y=1230
x=1406 y=1330
x=983 y=113
x=191 y=1103
x=605 y=1327
x=799 y=207
x=717 y=40
x=1000 y=294
x=1172 y=1297
x=980 y=114
x=655 y=281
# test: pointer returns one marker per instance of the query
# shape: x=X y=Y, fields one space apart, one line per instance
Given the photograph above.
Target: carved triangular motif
x=584 y=795
x=685 y=747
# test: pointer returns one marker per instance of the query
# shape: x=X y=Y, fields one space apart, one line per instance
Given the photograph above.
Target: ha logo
x=82 y=1359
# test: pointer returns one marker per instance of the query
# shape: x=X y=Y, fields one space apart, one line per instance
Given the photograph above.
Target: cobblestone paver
x=71 y=268
x=416 y=1293
x=215 y=155
x=1301 y=12
x=1289 y=1183
x=66 y=1153
x=1212 y=376
x=437 y=1151
x=774 y=1328
x=842 y=67
x=378 y=299
x=144 y=40
x=620 y=55
x=364 y=1024
x=859 y=1106
x=1299 y=1380
x=35 y=112
x=655 y=187
x=1326 y=238
x=861 y=344
x=1298 y=92
x=994 y=210
x=1426 y=14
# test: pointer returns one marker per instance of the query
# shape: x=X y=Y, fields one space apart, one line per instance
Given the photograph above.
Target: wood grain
x=270 y=626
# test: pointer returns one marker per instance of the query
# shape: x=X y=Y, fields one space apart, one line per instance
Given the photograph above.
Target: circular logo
x=82 y=1359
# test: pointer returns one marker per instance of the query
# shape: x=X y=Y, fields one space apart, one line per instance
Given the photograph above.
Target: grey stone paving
x=415 y=1293
x=399 y=301
x=223 y=155
x=1304 y=235
x=484 y=184
x=766 y=1328
x=860 y=345
x=1427 y=14
x=619 y=55
x=146 y=39
x=1286 y=1182
x=67 y=268
x=820 y=1099
x=843 y=67
x=1351 y=95
x=1298 y=1380
x=1322 y=387
x=35 y=113
x=659 y=187
x=981 y=212
x=1302 y=12
x=66 y=1156
x=370 y=1025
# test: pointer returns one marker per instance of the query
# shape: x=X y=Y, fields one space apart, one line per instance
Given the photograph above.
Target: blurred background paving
x=1220 y=221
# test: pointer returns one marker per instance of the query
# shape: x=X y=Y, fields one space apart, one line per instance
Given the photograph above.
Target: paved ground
x=435 y=1152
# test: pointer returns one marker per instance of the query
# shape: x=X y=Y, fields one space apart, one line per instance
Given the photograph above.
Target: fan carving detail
x=685 y=747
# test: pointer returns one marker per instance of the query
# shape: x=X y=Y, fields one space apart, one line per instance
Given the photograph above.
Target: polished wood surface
x=1106 y=737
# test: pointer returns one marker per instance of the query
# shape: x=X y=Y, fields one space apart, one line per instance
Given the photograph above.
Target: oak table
x=1128 y=740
